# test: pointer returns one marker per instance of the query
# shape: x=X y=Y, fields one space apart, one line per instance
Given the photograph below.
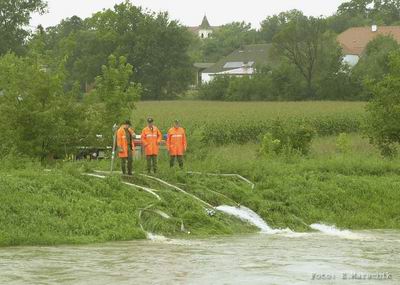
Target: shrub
x=287 y=138
x=269 y=145
x=215 y=90
x=383 y=127
x=343 y=143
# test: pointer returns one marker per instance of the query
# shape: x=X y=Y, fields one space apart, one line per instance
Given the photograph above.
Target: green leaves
x=114 y=95
x=14 y=17
x=383 y=127
x=34 y=112
x=155 y=45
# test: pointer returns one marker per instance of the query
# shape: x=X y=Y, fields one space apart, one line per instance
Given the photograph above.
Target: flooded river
x=370 y=257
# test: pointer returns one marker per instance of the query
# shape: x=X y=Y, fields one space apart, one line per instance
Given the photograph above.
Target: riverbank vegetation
x=64 y=88
x=354 y=190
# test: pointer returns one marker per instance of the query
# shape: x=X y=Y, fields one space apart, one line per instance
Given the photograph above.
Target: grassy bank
x=347 y=184
x=357 y=190
x=62 y=206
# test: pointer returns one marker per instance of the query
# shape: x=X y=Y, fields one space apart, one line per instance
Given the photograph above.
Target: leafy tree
x=272 y=25
x=301 y=42
x=287 y=83
x=14 y=17
x=383 y=111
x=227 y=39
x=357 y=13
x=374 y=64
x=36 y=117
x=156 y=46
x=113 y=99
x=333 y=80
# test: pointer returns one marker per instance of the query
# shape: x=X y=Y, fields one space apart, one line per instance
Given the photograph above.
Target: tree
x=155 y=45
x=113 y=99
x=272 y=25
x=365 y=12
x=14 y=17
x=227 y=39
x=383 y=112
x=374 y=64
x=301 y=42
x=36 y=117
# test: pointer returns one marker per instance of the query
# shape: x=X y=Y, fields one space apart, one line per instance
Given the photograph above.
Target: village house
x=354 y=40
x=241 y=62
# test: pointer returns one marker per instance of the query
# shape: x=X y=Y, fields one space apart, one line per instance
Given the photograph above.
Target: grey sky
x=191 y=12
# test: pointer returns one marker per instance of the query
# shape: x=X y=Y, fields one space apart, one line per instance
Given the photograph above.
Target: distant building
x=200 y=67
x=241 y=62
x=354 y=40
x=205 y=30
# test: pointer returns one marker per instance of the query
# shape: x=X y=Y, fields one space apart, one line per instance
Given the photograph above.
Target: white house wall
x=351 y=60
x=207 y=77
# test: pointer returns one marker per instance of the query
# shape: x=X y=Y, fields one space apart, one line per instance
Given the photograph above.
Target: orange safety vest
x=176 y=141
x=151 y=140
x=122 y=141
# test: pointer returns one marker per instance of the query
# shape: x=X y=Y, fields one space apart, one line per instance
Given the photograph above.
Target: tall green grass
x=61 y=206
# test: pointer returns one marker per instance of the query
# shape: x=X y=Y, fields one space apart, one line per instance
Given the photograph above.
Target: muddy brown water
x=285 y=258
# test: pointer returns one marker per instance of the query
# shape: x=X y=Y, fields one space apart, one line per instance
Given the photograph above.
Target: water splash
x=334 y=231
x=248 y=215
x=154 y=237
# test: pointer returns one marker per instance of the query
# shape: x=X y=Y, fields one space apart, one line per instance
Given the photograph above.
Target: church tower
x=205 y=29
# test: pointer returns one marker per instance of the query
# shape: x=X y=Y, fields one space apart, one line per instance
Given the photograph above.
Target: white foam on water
x=154 y=237
x=334 y=231
x=248 y=215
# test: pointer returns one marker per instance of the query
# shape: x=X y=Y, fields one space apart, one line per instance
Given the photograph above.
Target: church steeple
x=205 y=24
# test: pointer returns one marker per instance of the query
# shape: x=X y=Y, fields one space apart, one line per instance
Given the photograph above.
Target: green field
x=228 y=122
x=354 y=189
x=194 y=112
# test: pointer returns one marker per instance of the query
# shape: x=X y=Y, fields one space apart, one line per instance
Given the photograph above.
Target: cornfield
x=231 y=122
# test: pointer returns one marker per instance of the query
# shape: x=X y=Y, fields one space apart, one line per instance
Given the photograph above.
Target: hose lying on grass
x=177 y=188
x=148 y=190
x=148 y=208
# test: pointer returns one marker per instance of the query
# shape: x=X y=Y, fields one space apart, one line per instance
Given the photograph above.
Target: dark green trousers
x=176 y=157
x=127 y=161
x=151 y=163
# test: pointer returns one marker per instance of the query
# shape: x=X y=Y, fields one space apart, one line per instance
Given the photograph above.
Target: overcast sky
x=191 y=12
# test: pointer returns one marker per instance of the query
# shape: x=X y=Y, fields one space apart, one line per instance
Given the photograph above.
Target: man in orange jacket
x=176 y=144
x=126 y=146
x=151 y=139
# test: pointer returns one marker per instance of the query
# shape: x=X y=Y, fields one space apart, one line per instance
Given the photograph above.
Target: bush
x=215 y=90
x=343 y=143
x=383 y=127
x=287 y=139
x=255 y=88
x=269 y=145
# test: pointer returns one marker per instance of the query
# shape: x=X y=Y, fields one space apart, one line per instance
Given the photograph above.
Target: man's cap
x=176 y=121
x=150 y=120
x=128 y=122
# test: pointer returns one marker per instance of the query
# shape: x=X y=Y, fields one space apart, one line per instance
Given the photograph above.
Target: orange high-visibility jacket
x=176 y=141
x=151 y=140
x=122 y=141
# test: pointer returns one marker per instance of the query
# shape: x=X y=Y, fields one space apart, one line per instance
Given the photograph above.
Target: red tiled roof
x=355 y=40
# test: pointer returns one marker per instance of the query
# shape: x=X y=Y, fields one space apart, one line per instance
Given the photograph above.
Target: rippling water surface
x=284 y=258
